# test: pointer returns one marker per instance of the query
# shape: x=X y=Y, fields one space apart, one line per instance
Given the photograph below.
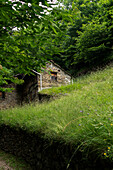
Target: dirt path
x=10 y=162
x=4 y=165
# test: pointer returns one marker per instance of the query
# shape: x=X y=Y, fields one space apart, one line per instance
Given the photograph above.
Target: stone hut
x=20 y=94
x=53 y=75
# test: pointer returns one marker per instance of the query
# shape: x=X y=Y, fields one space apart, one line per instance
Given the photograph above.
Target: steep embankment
x=75 y=129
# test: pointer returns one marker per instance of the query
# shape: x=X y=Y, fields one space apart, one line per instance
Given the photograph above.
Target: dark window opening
x=2 y=95
x=54 y=76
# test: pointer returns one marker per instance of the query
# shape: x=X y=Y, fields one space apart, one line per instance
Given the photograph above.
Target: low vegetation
x=84 y=117
x=12 y=162
x=62 y=90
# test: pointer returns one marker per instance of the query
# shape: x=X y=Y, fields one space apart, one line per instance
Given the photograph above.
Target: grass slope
x=83 y=118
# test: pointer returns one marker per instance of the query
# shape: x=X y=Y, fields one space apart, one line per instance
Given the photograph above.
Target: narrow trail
x=4 y=165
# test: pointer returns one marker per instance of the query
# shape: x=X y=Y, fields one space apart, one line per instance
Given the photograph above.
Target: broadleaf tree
x=90 y=37
x=25 y=28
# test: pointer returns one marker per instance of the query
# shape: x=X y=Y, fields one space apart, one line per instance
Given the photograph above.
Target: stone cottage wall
x=29 y=89
x=24 y=93
x=11 y=98
x=62 y=76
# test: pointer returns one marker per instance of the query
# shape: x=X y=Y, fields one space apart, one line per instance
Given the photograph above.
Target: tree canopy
x=25 y=30
x=77 y=36
x=90 y=37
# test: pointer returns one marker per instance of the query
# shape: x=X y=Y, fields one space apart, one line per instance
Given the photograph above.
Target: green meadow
x=82 y=117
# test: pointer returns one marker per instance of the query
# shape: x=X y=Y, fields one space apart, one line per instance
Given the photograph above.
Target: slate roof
x=51 y=61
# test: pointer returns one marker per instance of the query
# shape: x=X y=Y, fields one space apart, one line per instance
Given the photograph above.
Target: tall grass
x=84 y=117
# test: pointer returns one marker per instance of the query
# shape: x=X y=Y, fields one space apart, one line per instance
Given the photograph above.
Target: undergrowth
x=84 y=117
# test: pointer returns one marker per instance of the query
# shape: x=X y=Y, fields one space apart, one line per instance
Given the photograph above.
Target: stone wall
x=29 y=89
x=24 y=93
x=11 y=98
x=61 y=76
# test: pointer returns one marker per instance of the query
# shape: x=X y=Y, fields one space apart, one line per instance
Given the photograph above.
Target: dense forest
x=77 y=35
x=88 y=41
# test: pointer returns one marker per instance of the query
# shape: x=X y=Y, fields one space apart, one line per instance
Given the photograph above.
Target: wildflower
x=81 y=111
x=79 y=124
x=108 y=147
x=104 y=153
x=87 y=113
x=111 y=124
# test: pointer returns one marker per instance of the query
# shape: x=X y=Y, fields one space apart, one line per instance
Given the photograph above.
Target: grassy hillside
x=84 y=117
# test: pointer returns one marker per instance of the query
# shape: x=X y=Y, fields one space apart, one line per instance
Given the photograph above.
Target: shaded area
x=44 y=154
x=4 y=165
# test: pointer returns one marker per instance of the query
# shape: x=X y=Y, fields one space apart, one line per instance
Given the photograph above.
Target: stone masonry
x=11 y=98
x=54 y=75
x=20 y=94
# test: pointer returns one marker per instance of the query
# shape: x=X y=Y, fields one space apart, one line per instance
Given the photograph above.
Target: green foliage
x=83 y=118
x=77 y=37
x=25 y=32
x=93 y=44
x=5 y=76
x=89 y=39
